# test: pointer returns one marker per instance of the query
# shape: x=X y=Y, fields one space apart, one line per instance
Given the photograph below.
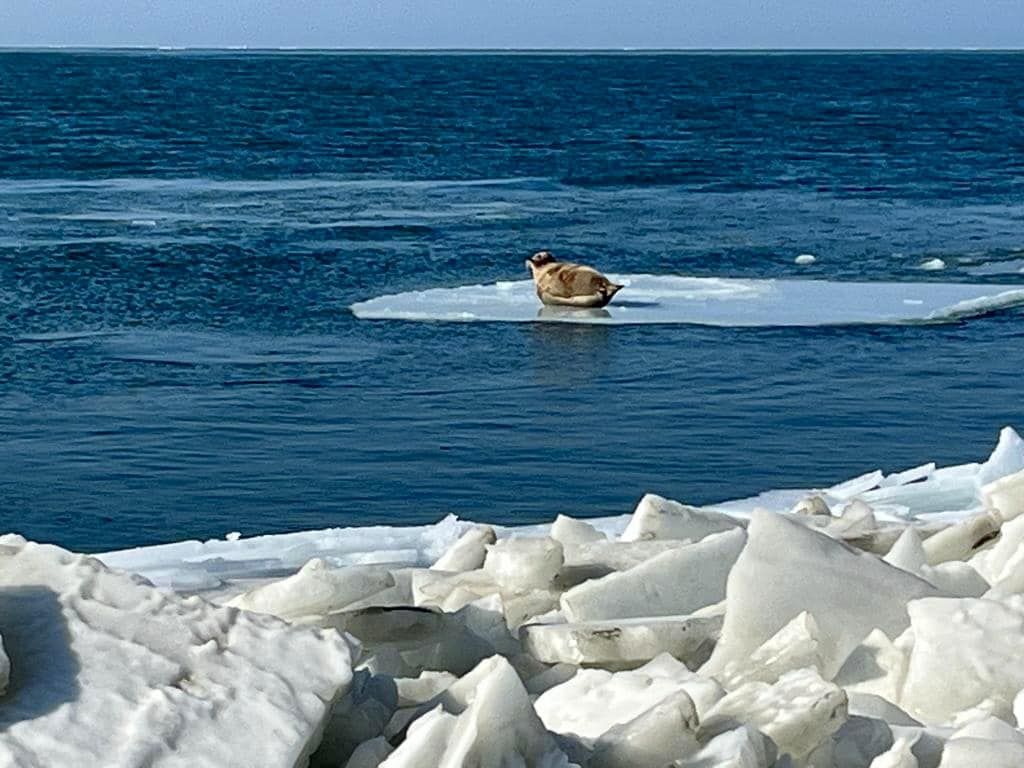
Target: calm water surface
x=181 y=235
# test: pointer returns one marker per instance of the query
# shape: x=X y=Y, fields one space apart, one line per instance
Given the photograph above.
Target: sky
x=516 y=23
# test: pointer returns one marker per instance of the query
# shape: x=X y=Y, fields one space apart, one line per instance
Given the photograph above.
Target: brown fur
x=567 y=284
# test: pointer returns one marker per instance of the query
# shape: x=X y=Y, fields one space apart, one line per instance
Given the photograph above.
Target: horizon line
x=470 y=50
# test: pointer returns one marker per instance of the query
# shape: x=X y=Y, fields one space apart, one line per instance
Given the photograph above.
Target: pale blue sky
x=516 y=23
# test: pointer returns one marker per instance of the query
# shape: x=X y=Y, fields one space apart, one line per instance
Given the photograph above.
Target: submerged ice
x=707 y=301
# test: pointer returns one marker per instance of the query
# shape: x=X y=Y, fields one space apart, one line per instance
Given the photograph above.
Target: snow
x=706 y=301
x=107 y=670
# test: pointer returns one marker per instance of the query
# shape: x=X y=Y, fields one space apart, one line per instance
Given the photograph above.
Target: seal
x=561 y=283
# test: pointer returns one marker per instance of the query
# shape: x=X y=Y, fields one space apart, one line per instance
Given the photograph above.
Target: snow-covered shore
x=876 y=623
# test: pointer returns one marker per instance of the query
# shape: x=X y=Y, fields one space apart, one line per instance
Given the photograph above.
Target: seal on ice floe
x=569 y=285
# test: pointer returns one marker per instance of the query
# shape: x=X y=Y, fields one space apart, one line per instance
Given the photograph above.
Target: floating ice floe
x=707 y=301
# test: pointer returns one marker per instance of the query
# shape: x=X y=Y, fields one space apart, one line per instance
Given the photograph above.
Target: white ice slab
x=706 y=301
x=106 y=670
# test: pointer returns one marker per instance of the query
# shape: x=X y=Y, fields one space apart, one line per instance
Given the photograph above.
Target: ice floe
x=875 y=623
x=707 y=301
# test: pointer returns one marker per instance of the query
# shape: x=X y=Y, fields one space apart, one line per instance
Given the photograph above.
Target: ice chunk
x=965 y=651
x=413 y=691
x=897 y=756
x=622 y=643
x=933 y=265
x=1006 y=458
x=786 y=569
x=963 y=539
x=599 y=558
x=1003 y=563
x=523 y=608
x=485 y=719
x=798 y=712
x=524 y=564
x=812 y=506
x=452 y=590
x=969 y=752
x=656 y=517
x=954 y=578
x=875 y=707
x=194 y=565
x=908 y=553
x=657 y=737
x=877 y=666
x=856 y=521
x=743 y=747
x=549 y=678
x=594 y=701
x=851 y=489
x=315 y=589
x=570 y=531
x=907 y=476
x=110 y=671
x=674 y=583
x=1005 y=495
x=705 y=301
x=469 y=552
x=793 y=647
x=804 y=259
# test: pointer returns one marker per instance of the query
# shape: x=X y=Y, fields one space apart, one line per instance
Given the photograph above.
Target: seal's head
x=539 y=259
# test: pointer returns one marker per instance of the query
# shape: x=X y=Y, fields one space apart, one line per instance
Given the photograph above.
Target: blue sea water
x=181 y=235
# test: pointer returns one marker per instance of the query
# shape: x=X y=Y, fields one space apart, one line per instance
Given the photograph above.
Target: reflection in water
x=568 y=314
x=564 y=354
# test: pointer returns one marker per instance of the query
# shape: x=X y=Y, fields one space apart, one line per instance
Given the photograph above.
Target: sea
x=182 y=234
